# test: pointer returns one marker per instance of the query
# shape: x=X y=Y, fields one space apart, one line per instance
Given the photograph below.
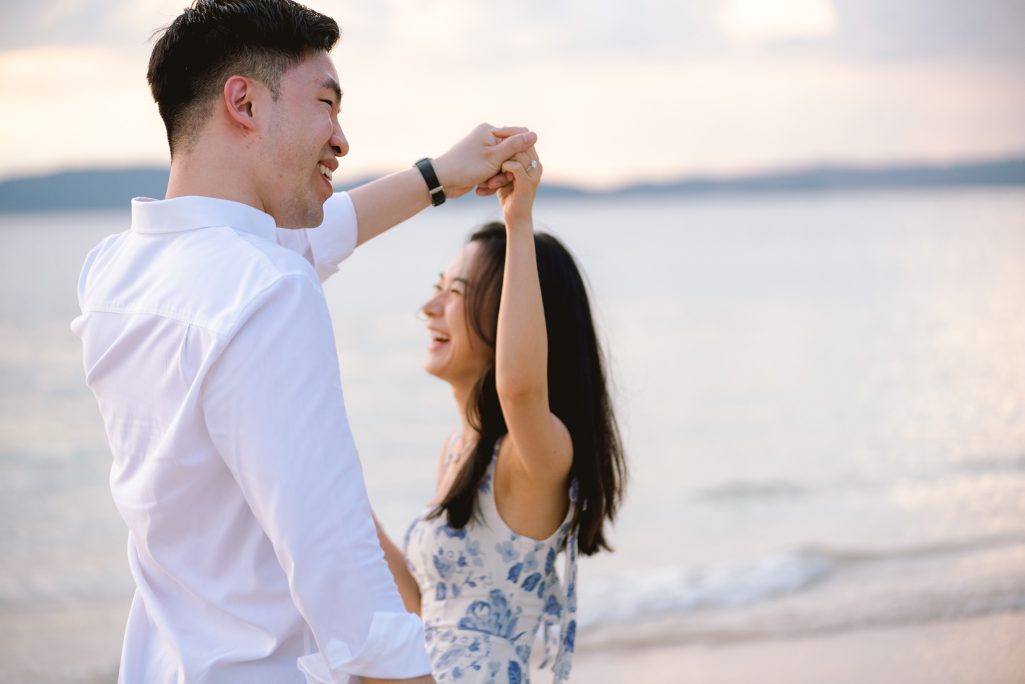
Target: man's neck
x=208 y=176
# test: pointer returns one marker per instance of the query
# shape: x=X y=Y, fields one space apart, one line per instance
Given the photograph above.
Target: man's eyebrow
x=332 y=84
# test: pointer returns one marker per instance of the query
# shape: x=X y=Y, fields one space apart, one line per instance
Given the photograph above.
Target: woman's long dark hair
x=577 y=388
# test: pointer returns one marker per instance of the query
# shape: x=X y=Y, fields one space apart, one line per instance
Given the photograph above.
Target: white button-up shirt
x=208 y=346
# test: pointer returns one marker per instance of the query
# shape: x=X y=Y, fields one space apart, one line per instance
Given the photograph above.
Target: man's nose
x=339 y=145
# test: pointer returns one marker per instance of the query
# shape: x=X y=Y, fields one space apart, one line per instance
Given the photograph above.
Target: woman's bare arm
x=408 y=587
x=541 y=442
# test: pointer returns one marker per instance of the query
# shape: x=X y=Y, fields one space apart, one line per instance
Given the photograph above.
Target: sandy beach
x=987 y=649
x=977 y=650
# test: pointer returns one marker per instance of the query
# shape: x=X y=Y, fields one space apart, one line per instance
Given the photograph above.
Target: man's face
x=300 y=143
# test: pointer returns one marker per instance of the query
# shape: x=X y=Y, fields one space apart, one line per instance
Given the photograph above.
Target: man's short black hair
x=215 y=39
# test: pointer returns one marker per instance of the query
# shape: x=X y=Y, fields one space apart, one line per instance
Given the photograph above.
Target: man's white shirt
x=208 y=345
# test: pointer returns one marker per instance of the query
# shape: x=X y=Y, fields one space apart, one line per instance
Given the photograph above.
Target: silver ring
x=533 y=164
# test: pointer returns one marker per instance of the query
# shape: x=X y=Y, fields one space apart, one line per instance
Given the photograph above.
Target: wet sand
x=989 y=649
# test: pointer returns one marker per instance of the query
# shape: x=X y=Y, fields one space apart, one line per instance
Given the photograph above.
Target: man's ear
x=239 y=94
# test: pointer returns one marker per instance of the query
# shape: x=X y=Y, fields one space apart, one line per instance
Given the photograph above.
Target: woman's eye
x=329 y=103
x=455 y=291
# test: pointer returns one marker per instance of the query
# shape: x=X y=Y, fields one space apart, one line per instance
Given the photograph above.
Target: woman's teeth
x=438 y=337
x=324 y=171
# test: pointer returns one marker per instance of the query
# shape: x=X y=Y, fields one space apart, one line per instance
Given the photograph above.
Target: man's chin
x=310 y=216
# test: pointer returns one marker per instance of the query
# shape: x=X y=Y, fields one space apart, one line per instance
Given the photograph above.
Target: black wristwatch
x=433 y=184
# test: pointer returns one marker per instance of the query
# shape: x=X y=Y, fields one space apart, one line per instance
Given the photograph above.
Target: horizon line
x=709 y=175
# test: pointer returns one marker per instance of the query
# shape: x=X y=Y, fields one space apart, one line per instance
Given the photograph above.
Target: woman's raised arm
x=541 y=442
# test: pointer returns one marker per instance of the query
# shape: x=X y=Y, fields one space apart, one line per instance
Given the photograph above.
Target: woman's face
x=455 y=352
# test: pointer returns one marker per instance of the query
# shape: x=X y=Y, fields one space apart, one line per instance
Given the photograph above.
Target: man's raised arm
x=476 y=160
x=351 y=218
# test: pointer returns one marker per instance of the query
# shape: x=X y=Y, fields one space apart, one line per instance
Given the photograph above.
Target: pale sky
x=623 y=91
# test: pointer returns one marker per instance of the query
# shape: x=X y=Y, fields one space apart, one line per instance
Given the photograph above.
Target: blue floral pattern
x=487 y=590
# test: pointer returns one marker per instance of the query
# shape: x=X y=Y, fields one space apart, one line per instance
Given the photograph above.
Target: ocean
x=822 y=397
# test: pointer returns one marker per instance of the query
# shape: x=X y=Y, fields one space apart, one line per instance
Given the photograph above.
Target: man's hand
x=477 y=159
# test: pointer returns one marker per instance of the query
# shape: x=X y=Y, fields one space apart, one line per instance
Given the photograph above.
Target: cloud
x=930 y=29
x=108 y=23
x=76 y=106
x=758 y=21
x=532 y=31
x=618 y=91
x=707 y=30
x=569 y=30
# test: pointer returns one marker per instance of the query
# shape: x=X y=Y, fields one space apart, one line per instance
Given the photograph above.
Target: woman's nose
x=431 y=308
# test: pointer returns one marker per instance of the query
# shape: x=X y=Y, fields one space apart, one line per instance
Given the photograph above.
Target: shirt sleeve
x=329 y=244
x=274 y=408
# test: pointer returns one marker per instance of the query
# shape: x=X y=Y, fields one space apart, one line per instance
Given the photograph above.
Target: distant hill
x=102 y=189
x=1002 y=172
x=87 y=189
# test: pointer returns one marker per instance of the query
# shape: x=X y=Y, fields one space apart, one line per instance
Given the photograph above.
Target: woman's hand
x=477 y=159
x=517 y=198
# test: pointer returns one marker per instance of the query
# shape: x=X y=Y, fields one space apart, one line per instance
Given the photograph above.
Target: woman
x=537 y=467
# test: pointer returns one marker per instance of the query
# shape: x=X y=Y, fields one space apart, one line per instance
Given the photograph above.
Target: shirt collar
x=150 y=216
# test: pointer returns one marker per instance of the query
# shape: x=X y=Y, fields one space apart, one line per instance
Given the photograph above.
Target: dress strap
x=560 y=613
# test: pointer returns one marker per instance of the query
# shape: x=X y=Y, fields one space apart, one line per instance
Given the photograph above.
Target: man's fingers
x=515 y=143
x=507 y=131
x=499 y=180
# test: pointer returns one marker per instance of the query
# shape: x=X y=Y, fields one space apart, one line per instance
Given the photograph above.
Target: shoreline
x=966 y=650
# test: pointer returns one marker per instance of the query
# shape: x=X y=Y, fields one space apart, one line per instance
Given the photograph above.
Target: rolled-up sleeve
x=274 y=408
x=331 y=243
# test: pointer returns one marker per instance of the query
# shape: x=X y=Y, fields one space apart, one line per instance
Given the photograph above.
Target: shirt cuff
x=394 y=649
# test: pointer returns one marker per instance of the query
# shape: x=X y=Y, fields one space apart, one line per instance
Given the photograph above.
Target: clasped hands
x=476 y=160
x=493 y=160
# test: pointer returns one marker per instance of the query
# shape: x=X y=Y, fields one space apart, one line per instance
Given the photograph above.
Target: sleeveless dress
x=485 y=590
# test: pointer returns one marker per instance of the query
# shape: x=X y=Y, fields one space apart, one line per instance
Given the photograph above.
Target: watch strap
x=431 y=178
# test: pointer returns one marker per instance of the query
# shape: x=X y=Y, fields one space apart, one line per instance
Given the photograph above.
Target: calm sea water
x=822 y=395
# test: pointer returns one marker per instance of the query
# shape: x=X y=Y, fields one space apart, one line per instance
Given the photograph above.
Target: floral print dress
x=485 y=590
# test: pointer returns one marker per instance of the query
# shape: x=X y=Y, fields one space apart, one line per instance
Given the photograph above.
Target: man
x=207 y=342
